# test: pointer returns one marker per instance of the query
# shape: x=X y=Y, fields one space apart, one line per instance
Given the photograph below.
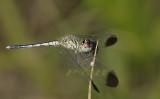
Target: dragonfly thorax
x=71 y=42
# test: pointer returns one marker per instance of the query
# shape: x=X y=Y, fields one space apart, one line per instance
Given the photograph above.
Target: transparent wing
x=106 y=75
x=105 y=40
x=83 y=67
x=79 y=67
x=103 y=75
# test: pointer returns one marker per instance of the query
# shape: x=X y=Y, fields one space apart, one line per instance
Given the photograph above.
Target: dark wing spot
x=112 y=79
x=111 y=40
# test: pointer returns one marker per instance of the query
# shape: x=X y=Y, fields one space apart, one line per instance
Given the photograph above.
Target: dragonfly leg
x=85 y=56
x=82 y=56
x=78 y=62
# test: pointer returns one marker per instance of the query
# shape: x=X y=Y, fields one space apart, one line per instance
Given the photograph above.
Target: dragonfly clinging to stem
x=83 y=47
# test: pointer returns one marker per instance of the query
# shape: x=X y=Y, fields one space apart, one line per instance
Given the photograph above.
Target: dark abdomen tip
x=15 y=47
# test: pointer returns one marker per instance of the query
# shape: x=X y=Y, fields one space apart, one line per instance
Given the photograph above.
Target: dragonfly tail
x=51 y=43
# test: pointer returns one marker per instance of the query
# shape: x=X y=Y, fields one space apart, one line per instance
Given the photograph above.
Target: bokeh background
x=40 y=73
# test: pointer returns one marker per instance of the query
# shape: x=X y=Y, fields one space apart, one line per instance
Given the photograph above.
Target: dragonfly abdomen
x=51 y=43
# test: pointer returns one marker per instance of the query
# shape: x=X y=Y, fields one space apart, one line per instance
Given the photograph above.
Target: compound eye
x=83 y=41
x=88 y=42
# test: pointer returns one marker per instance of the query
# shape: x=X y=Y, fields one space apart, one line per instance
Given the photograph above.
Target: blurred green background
x=39 y=73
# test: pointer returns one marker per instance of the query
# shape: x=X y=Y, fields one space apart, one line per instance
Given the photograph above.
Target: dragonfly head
x=86 y=46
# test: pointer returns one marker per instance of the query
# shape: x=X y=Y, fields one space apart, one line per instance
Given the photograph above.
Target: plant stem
x=92 y=68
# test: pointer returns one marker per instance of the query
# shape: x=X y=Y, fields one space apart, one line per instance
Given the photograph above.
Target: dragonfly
x=81 y=48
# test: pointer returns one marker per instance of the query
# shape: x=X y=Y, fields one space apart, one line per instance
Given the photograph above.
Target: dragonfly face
x=86 y=46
